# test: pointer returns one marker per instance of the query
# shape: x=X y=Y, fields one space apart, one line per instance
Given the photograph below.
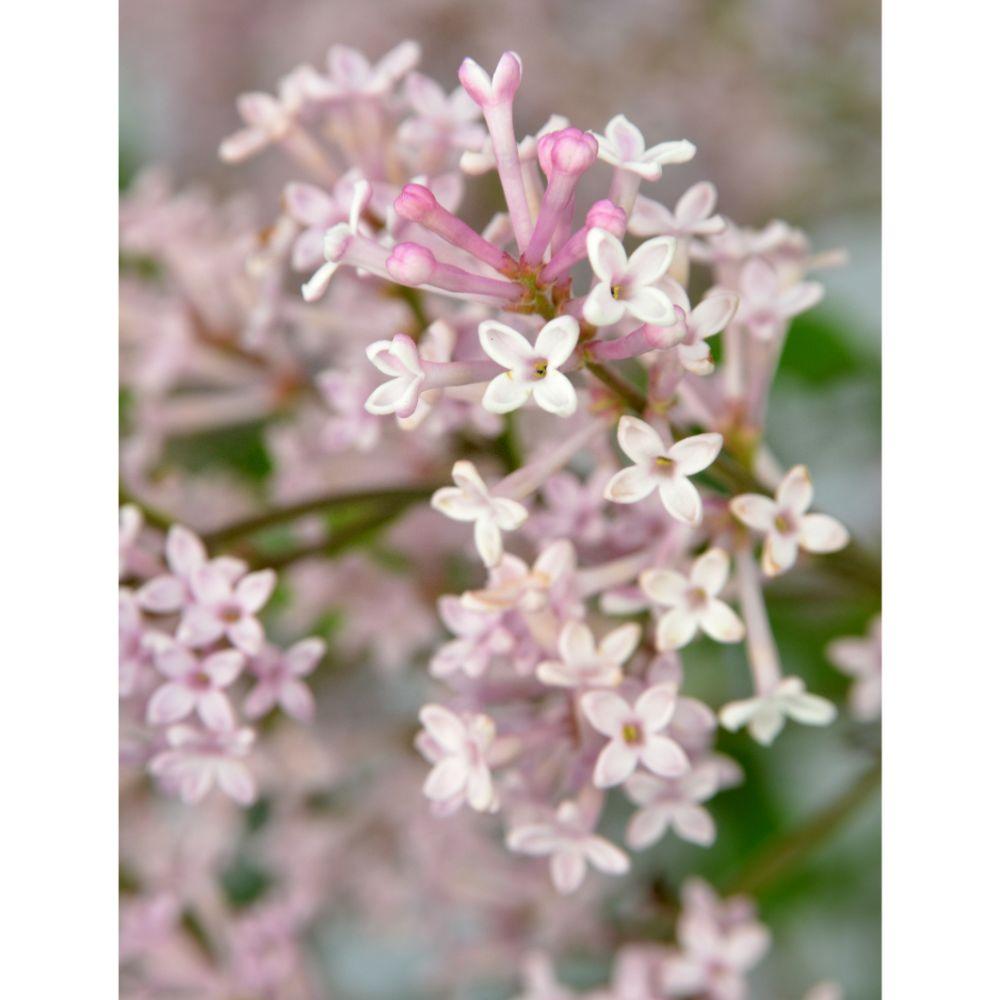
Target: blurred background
x=782 y=99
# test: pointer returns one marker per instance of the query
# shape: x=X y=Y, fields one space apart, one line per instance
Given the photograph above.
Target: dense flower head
x=456 y=403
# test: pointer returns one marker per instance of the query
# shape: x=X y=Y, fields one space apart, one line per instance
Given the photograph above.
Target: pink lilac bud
x=414 y=264
x=603 y=214
x=417 y=204
x=563 y=157
x=496 y=97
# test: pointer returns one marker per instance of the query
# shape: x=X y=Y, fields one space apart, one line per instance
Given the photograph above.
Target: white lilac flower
x=627 y=284
x=672 y=804
x=712 y=315
x=861 y=658
x=459 y=750
x=584 y=663
x=635 y=734
x=624 y=147
x=531 y=371
x=786 y=525
x=470 y=500
x=400 y=360
x=659 y=467
x=570 y=843
x=764 y=715
x=693 y=602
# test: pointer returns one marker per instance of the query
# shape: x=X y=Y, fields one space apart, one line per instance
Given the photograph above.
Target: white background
x=941 y=520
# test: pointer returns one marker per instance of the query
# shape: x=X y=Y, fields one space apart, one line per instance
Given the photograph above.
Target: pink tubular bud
x=568 y=151
x=416 y=202
x=607 y=215
x=411 y=264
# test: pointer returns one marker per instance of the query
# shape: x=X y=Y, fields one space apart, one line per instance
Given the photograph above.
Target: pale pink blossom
x=512 y=584
x=672 y=804
x=459 y=750
x=471 y=500
x=570 y=844
x=400 y=360
x=586 y=664
x=268 y=119
x=693 y=601
x=861 y=658
x=786 y=525
x=279 y=674
x=694 y=326
x=627 y=285
x=624 y=147
x=224 y=609
x=766 y=307
x=351 y=73
x=658 y=467
x=449 y=119
x=194 y=684
x=635 y=734
x=694 y=215
x=531 y=371
x=480 y=636
x=764 y=715
x=198 y=759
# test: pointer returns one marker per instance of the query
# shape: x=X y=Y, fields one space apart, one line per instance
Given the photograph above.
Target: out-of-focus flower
x=222 y=609
x=862 y=660
x=279 y=674
x=459 y=752
x=480 y=637
x=635 y=734
x=195 y=683
x=196 y=759
x=570 y=843
x=586 y=664
x=764 y=716
x=765 y=307
x=672 y=803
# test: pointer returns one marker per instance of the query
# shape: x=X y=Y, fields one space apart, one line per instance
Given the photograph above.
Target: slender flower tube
x=526 y=480
x=413 y=264
x=564 y=156
x=418 y=204
x=603 y=214
x=496 y=97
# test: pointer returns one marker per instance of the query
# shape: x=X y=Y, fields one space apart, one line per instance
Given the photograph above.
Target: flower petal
x=447 y=779
x=710 y=570
x=695 y=824
x=254 y=590
x=651 y=260
x=754 y=510
x=676 y=629
x=605 y=711
x=601 y=307
x=170 y=703
x=647 y=826
x=555 y=394
x=681 y=499
x=630 y=485
x=664 y=757
x=822 y=533
x=655 y=706
x=444 y=726
x=504 y=344
x=651 y=305
x=722 y=623
x=615 y=763
x=607 y=256
x=576 y=643
x=780 y=552
x=618 y=645
x=605 y=857
x=697 y=203
x=568 y=869
x=664 y=586
x=506 y=393
x=557 y=339
x=457 y=504
x=796 y=490
x=489 y=545
x=639 y=440
x=696 y=453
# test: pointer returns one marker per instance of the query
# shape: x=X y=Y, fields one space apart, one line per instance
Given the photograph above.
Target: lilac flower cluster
x=537 y=381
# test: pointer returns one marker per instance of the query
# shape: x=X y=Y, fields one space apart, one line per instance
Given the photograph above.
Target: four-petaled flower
x=635 y=734
x=196 y=759
x=479 y=637
x=693 y=601
x=194 y=683
x=279 y=674
x=624 y=147
x=764 y=716
x=570 y=843
x=692 y=216
x=765 y=307
x=712 y=315
x=513 y=585
x=586 y=664
x=400 y=360
x=531 y=371
x=459 y=751
x=785 y=523
x=628 y=284
x=470 y=500
x=222 y=609
x=659 y=467
x=672 y=803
